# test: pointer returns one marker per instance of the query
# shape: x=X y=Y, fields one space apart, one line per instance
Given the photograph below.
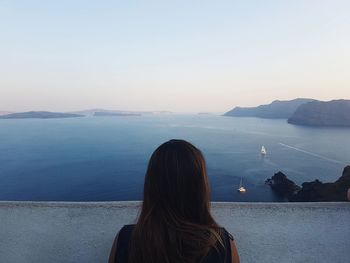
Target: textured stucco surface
x=264 y=232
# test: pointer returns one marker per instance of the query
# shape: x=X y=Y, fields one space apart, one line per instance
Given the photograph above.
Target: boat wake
x=311 y=153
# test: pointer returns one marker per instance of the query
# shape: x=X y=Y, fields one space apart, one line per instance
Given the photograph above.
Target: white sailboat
x=241 y=189
x=263 y=151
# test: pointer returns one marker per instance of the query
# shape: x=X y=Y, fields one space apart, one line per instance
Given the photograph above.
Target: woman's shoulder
x=222 y=252
x=232 y=255
x=129 y=227
x=122 y=241
x=226 y=233
x=125 y=232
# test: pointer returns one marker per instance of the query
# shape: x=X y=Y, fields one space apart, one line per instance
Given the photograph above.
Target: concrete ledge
x=264 y=232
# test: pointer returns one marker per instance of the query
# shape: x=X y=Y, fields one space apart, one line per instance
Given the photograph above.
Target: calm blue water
x=105 y=158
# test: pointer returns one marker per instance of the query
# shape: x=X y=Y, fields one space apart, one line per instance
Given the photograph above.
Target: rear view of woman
x=175 y=224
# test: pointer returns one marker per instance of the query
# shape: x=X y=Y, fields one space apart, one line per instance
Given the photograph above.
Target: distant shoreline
x=39 y=115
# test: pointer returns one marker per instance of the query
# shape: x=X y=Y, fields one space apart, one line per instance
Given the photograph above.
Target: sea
x=105 y=158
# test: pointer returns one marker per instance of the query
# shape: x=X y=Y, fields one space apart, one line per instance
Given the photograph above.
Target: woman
x=175 y=224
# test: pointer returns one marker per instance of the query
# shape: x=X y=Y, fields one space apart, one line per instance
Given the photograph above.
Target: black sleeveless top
x=212 y=257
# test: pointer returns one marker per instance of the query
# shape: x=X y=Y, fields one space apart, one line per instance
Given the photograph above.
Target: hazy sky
x=171 y=55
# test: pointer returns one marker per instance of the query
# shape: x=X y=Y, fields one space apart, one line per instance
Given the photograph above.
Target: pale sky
x=184 y=56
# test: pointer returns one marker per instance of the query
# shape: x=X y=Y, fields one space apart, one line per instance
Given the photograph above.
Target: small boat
x=263 y=151
x=241 y=189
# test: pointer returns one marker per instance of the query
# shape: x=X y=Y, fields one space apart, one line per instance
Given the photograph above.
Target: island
x=321 y=113
x=278 y=109
x=315 y=191
x=114 y=114
x=205 y=113
x=39 y=115
x=97 y=112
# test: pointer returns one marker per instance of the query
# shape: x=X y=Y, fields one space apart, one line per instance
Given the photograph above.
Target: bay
x=105 y=158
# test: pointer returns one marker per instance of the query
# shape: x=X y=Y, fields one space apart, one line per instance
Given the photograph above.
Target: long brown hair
x=175 y=224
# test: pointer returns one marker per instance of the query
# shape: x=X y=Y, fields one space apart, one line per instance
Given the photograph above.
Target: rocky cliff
x=276 y=109
x=282 y=185
x=315 y=191
x=320 y=113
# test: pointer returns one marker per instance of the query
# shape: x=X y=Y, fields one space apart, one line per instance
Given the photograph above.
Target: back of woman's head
x=175 y=224
x=176 y=181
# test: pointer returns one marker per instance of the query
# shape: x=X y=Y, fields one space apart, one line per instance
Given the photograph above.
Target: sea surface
x=105 y=158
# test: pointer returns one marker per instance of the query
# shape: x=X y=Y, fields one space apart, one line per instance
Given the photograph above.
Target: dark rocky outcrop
x=276 y=109
x=315 y=191
x=320 y=113
x=282 y=185
x=39 y=115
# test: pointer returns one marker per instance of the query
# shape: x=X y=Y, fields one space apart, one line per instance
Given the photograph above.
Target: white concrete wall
x=52 y=232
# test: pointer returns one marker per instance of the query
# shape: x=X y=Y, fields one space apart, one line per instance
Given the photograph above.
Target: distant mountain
x=114 y=114
x=5 y=113
x=159 y=112
x=39 y=115
x=100 y=112
x=89 y=112
x=320 y=113
x=205 y=113
x=276 y=110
